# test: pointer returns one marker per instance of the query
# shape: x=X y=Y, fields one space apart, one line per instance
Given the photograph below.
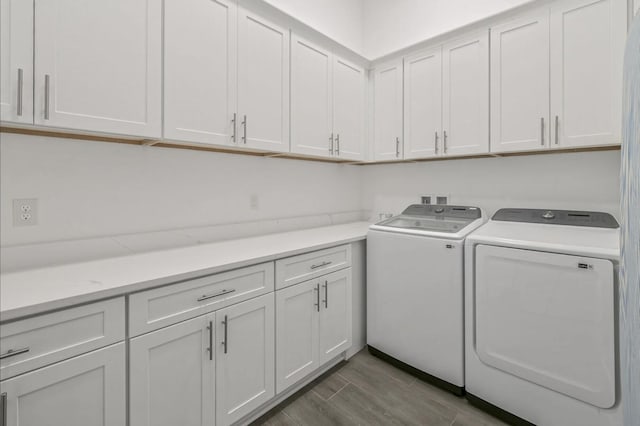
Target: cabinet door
x=88 y=390
x=520 y=84
x=387 y=112
x=98 y=65
x=171 y=375
x=297 y=316
x=335 y=314
x=423 y=104
x=587 y=45
x=348 y=109
x=310 y=99
x=466 y=95
x=200 y=70
x=245 y=363
x=16 y=61
x=263 y=83
x=636 y=7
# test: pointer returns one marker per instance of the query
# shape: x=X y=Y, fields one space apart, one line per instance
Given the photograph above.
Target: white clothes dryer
x=541 y=315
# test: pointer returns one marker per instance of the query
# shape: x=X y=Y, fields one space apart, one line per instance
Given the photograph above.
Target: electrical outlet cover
x=25 y=211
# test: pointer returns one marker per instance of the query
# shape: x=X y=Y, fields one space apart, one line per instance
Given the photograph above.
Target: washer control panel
x=558 y=217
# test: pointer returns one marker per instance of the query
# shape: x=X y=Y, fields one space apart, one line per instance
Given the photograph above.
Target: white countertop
x=35 y=291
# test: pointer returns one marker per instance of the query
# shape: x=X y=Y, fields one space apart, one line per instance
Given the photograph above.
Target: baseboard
x=497 y=412
x=426 y=377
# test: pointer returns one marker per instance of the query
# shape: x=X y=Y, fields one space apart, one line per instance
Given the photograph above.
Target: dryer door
x=547 y=318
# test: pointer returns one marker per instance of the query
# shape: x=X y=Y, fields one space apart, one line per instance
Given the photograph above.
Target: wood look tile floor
x=368 y=391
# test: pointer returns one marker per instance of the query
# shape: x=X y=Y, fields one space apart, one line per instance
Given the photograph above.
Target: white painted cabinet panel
x=335 y=314
x=520 y=84
x=172 y=375
x=88 y=390
x=200 y=70
x=466 y=95
x=311 y=103
x=423 y=104
x=245 y=358
x=387 y=111
x=98 y=65
x=263 y=83
x=636 y=7
x=297 y=317
x=348 y=109
x=16 y=61
x=587 y=43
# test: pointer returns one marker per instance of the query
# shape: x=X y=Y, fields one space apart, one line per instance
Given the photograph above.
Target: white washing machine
x=540 y=317
x=415 y=290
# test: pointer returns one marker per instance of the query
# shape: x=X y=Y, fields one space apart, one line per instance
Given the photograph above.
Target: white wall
x=390 y=25
x=341 y=20
x=581 y=181
x=91 y=189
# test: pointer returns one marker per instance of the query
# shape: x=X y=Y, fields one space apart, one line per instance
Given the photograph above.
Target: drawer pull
x=211 y=296
x=210 y=349
x=320 y=265
x=12 y=352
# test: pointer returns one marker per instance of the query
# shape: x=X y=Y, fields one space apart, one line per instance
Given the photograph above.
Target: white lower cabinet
x=245 y=363
x=297 y=316
x=313 y=321
x=172 y=375
x=88 y=390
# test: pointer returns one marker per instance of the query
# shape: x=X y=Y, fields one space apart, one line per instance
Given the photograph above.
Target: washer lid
x=432 y=218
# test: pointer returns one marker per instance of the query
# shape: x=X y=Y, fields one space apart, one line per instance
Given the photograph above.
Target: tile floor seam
x=338 y=391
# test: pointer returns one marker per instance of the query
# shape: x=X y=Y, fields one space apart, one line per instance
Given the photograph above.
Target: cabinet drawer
x=34 y=342
x=153 y=309
x=296 y=269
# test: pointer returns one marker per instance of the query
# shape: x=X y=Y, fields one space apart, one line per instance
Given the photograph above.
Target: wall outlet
x=254 y=202
x=425 y=199
x=25 y=211
x=441 y=199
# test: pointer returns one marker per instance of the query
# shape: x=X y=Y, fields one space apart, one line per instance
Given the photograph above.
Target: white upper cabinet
x=310 y=98
x=636 y=7
x=98 y=65
x=263 y=83
x=200 y=71
x=387 y=111
x=16 y=61
x=520 y=84
x=245 y=358
x=465 y=103
x=172 y=375
x=423 y=104
x=587 y=45
x=348 y=109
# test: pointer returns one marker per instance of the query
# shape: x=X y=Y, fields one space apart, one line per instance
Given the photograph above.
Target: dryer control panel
x=558 y=217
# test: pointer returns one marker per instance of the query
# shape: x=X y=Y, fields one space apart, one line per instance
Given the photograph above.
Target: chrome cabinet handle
x=338 y=144
x=210 y=349
x=320 y=265
x=233 y=134
x=3 y=406
x=331 y=144
x=556 y=128
x=20 y=84
x=542 y=131
x=444 y=142
x=397 y=147
x=14 y=352
x=47 y=87
x=326 y=295
x=225 y=342
x=244 y=131
x=317 y=290
x=436 y=145
x=211 y=296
